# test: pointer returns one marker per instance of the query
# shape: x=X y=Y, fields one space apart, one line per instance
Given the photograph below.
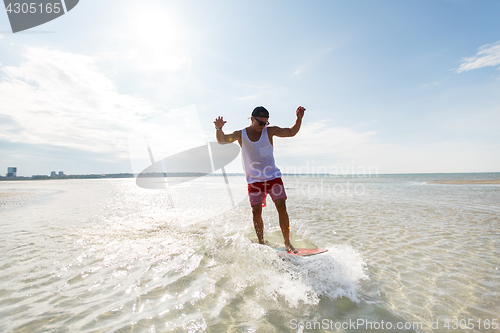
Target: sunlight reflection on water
x=88 y=255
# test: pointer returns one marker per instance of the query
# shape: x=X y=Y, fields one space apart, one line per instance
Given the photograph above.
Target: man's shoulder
x=272 y=129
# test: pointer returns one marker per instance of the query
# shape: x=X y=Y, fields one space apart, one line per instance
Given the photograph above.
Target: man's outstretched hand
x=300 y=112
x=219 y=122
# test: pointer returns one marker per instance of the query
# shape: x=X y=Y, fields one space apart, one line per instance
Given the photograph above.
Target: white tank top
x=258 y=158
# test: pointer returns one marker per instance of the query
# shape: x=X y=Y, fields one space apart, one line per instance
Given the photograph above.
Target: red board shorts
x=257 y=192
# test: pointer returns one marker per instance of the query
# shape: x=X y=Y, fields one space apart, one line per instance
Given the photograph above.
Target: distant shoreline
x=200 y=174
x=469 y=182
x=117 y=175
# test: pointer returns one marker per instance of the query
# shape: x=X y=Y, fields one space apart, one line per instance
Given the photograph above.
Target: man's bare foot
x=289 y=248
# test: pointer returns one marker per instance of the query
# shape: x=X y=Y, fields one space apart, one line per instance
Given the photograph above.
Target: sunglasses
x=262 y=123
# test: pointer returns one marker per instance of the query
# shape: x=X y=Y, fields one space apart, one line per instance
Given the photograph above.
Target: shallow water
x=106 y=255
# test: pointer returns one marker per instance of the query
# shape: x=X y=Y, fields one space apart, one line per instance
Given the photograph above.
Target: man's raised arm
x=225 y=138
x=290 y=131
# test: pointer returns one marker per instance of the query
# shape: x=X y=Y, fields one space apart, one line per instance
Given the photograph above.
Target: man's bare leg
x=258 y=223
x=284 y=223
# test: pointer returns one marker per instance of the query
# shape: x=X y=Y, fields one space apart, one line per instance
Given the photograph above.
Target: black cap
x=260 y=111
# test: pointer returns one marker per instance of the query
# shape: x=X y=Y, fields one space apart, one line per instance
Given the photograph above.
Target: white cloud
x=319 y=138
x=62 y=99
x=436 y=157
x=488 y=55
x=430 y=84
x=165 y=135
x=320 y=148
x=256 y=93
x=312 y=60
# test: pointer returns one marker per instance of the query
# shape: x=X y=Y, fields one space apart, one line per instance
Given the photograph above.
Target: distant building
x=53 y=174
x=11 y=172
x=61 y=174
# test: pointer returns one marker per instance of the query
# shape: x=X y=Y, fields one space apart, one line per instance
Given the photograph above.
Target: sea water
x=105 y=255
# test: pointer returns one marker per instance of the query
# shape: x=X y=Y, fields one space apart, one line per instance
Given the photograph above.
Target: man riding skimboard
x=262 y=175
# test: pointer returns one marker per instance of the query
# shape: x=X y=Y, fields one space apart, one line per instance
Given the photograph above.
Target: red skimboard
x=304 y=252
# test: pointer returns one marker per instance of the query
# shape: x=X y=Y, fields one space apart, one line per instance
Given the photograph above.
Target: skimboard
x=303 y=252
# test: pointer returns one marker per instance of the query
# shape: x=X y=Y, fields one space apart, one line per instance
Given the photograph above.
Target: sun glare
x=158 y=36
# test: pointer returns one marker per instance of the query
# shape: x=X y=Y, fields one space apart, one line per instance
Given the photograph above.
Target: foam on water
x=274 y=277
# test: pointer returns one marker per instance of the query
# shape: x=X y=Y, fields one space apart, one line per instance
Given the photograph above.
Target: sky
x=388 y=86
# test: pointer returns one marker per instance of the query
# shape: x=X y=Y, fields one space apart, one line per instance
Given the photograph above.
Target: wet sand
x=485 y=182
x=13 y=194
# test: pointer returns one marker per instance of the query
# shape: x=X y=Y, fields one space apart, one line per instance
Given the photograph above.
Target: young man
x=263 y=177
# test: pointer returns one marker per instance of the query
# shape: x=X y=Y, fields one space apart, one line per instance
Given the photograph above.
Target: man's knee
x=257 y=209
x=280 y=204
